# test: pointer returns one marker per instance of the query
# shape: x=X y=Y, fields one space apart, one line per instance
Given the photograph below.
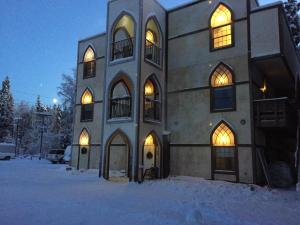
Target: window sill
x=86 y=121
x=121 y=60
x=229 y=172
x=88 y=77
x=119 y=120
x=222 y=110
x=158 y=122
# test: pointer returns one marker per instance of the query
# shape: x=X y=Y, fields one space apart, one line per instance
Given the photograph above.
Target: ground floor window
x=224 y=159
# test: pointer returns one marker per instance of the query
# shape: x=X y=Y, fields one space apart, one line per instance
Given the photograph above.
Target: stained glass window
x=84 y=138
x=87 y=106
x=223 y=136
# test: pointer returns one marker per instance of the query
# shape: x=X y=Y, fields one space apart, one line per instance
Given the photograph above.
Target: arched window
x=120 y=100
x=153 y=42
x=89 y=63
x=222 y=89
x=152 y=104
x=224 y=149
x=84 y=139
x=221 y=27
x=123 y=38
x=87 y=106
x=151 y=157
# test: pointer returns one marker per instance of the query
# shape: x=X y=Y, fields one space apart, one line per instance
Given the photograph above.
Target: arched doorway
x=151 y=157
x=118 y=158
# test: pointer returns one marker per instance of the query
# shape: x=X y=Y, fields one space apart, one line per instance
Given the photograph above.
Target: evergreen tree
x=292 y=8
x=38 y=105
x=6 y=110
x=57 y=119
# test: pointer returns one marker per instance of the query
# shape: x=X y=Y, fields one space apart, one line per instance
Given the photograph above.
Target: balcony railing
x=152 y=110
x=153 y=52
x=120 y=107
x=122 y=49
x=274 y=112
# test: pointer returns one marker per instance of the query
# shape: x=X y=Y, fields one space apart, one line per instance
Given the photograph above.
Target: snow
x=34 y=192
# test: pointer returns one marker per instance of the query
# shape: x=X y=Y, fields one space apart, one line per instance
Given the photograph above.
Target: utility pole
x=43 y=115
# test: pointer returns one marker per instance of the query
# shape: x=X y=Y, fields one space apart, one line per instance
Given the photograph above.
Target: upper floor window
x=89 y=63
x=222 y=89
x=87 y=106
x=152 y=104
x=123 y=38
x=84 y=139
x=153 y=42
x=120 y=100
x=221 y=27
x=223 y=142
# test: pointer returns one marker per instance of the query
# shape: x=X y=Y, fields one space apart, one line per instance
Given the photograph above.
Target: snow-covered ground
x=36 y=192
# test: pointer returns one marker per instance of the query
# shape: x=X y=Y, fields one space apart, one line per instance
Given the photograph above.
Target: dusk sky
x=39 y=41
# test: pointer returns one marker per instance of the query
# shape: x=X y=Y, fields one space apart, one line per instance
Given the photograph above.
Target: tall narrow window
x=89 y=63
x=222 y=89
x=123 y=38
x=120 y=100
x=84 y=139
x=153 y=42
x=224 y=151
x=87 y=106
x=151 y=101
x=221 y=27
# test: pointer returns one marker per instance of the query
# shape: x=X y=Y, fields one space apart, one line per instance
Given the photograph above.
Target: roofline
x=92 y=37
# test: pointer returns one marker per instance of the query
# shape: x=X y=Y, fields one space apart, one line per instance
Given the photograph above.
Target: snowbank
x=36 y=192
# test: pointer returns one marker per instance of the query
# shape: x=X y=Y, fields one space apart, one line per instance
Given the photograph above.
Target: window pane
x=223 y=98
x=87 y=112
x=225 y=159
x=222 y=36
x=89 y=69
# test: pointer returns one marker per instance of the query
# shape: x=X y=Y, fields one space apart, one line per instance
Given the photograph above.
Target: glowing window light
x=149 y=140
x=221 y=27
x=84 y=139
x=150 y=37
x=149 y=88
x=87 y=98
x=221 y=77
x=89 y=55
x=223 y=136
x=264 y=88
x=221 y=16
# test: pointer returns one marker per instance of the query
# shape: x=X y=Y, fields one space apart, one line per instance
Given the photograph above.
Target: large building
x=207 y=89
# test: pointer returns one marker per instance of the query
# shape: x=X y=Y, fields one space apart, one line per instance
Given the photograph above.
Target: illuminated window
x=123 y=38
x=221 y=27
x=89 y=63
x=120 y=100
x=152 y=48
x=224 y=151
x=87 y=106
x=151 y=101
x=222 y=89
x=84 y=139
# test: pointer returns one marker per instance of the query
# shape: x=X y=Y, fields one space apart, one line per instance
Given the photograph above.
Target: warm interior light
x=149 y=88
x=223 y=136
x=264 y=88
x=84 y=138
x=149 y=140
x=221 y=16
x=89 y=55
x=221 y=77
x=150 y=37
x=87 y=98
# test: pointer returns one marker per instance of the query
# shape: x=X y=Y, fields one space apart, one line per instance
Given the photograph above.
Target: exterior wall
x=95 y=84
x=189 y=67
x=151 y=9
x=128 y=67
x=265 y=38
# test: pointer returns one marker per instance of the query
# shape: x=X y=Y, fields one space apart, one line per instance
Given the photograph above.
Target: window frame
x=83 y=110
x=115 y=83
x=85 y=64
x=211 y=29
x=156 y=86
x=214 y=149
x=160 y=39
x=212 y=90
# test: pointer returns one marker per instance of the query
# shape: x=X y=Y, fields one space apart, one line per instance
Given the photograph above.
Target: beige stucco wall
x=189 y=67
x=265 y=38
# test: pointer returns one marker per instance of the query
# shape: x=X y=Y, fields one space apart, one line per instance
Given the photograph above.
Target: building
x=206 y=89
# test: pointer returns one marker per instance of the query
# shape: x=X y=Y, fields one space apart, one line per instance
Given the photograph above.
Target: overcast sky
x=39 y=38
